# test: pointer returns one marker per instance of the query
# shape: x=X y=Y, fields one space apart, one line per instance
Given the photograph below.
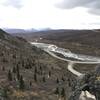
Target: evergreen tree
x=17 y=72
x=4 y=93
x=44 y=80
x=21 y=83
x=57 y=81
x=63 y=94
x=3 y=68
x=18 y=75
x=57 y=91
x=30 y=66
x=14 y=56
x=23 y=63
x=30 y=83
x=63 y=79
x=35 y=77
x=17 y=68
x=35 y=70
x=50 y=73
x=14 y=70
x=40 y=67
x=9 y=76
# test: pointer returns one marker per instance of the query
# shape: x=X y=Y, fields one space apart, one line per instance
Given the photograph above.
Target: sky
x=55 y=14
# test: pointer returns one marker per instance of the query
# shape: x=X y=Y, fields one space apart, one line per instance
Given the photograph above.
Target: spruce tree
x=17 y=68
x=35 y=77
x=9 y=76
x=17 y=72
x=63 y=79
x=4 y=93
x=30 y=83
x=35 y=70
x=63 y=94
x=57 y=91
x=14 y=70
x=21 y=83
x=3 y=68
x=18 y=75
x=49 y=73
x=57 y=81
x=40 y=67
x=44 y=80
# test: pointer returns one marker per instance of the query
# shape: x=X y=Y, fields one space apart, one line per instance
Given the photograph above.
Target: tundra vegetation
x=29 y=73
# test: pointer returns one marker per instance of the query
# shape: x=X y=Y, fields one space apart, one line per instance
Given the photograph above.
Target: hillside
x=79 y=41
x=85 y=37
x=28 y=73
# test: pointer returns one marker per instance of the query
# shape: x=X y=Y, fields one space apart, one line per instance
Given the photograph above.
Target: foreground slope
x=28 y=73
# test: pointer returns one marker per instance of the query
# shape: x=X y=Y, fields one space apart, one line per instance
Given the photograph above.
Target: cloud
x=92 y=5
x=14 y=3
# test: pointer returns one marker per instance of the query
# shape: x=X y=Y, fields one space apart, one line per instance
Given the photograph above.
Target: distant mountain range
x=20 y=30
x=12 y=30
